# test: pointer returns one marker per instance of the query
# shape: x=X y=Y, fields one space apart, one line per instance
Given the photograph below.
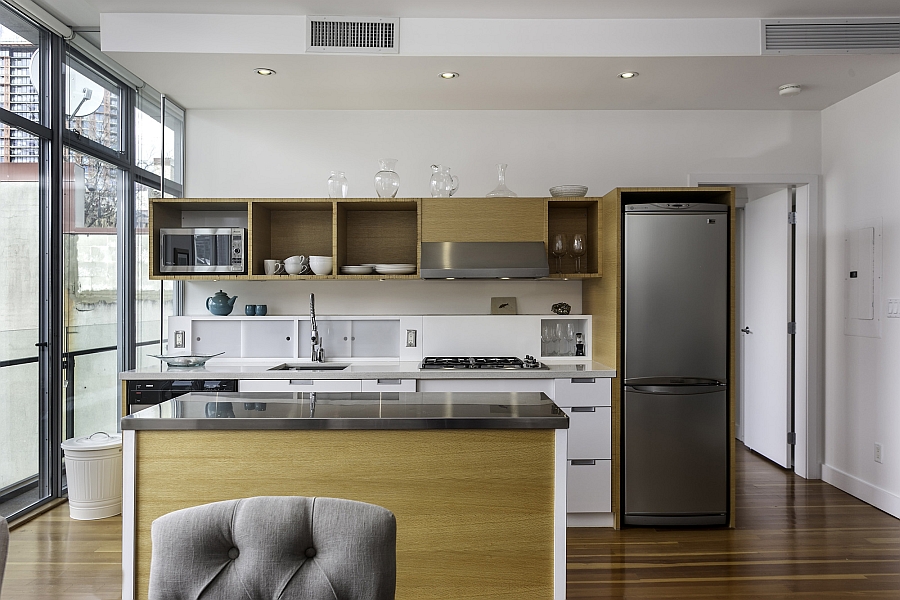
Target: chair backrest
x=4 y=547
x=271 y=547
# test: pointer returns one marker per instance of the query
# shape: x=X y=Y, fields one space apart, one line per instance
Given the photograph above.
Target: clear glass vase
x=501 y=191
x=387 y=182
x=337 y=185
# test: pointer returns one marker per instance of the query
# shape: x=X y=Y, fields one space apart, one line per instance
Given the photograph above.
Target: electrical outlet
x=179 y=339
x=878 y=453
x=410 y=338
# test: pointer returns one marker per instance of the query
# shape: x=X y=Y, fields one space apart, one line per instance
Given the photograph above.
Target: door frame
x=809 y=279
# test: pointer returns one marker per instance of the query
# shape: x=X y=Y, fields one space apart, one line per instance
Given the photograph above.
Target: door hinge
x=792 y=328
x=792 y=438
x=792 y=218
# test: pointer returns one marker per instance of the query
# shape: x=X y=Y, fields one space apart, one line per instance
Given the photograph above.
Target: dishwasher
x=143 y=393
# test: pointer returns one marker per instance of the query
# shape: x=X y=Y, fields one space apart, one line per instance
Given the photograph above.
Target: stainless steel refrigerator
x=676 y=327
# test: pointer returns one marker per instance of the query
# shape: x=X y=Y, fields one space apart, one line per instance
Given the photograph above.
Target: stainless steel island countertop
x=352 y=410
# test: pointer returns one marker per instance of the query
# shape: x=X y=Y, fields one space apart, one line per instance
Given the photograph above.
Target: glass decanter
x=501 y=191
x=337 y=185
x=387 y=182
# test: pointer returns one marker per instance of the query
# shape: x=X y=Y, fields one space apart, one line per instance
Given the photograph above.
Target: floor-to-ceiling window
x=82 y=151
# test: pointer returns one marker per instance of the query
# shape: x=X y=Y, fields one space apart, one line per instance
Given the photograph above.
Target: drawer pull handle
x=581 y=462
x=387 y=382
x=583 y=380
x=584 y=409
x=301 y=381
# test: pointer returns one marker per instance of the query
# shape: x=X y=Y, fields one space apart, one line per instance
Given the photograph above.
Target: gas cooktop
x=481 y=362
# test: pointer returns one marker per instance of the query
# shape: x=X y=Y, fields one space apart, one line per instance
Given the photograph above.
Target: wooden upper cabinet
x=483 y=219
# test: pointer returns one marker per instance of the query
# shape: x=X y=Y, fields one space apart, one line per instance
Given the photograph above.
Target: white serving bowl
x=321 y=265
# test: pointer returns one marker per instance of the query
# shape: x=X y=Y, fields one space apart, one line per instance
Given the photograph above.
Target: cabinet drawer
x=299 y=385
x=388 y=385
x=583 y=391
x=588 y=486
x=590 y=432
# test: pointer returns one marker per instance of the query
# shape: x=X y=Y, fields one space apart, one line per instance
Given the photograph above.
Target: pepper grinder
x=579 y=344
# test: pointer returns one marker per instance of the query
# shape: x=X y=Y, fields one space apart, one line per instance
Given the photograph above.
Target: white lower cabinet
x=590 y=432
x=388 y=385
x=299 y=385
x=588 y=488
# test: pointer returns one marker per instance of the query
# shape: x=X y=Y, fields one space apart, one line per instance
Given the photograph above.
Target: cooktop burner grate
x=479 y=362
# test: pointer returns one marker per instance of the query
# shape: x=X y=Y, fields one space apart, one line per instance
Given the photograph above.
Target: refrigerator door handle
x=676 y=390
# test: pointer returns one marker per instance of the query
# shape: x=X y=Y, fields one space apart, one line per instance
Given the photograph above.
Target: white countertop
x=259 y=369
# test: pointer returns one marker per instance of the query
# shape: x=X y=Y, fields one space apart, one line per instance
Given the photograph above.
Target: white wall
x=271 y=153
x=861 y=164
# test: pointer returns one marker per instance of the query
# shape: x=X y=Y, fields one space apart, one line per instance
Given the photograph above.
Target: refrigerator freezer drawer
x=590 y=432
x=583 y=391
x=588 y=487
x=676 y=454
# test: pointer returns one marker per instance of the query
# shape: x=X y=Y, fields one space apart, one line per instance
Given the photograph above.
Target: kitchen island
x=476 y=480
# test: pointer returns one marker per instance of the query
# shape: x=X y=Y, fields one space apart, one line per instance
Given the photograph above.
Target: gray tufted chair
x=4 y=547
x=275 y=547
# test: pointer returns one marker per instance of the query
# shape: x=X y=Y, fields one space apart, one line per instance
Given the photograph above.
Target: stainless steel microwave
x=203 y=250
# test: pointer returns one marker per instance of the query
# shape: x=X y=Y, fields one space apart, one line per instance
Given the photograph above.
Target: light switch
x=893 y=308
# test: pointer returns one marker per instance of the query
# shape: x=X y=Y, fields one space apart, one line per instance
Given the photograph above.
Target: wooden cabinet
x=358 y=231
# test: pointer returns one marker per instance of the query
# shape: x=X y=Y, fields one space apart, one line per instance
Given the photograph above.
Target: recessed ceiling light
x=449 y=75
x=628 y=74
x=264 y=71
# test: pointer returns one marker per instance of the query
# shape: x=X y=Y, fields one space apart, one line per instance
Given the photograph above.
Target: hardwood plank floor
x=794 y=539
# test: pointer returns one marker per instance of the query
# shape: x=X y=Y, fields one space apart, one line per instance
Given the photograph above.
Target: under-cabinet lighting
x=504 y=278
x=449 y=278
x=448 y=75
x=264 y=71
x=628 y=74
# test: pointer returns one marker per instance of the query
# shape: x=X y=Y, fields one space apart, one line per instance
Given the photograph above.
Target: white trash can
x=94 y=473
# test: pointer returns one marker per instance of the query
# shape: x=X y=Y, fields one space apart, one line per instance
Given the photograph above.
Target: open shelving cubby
x=377 y=231
x=283 y=227
x=571 y=216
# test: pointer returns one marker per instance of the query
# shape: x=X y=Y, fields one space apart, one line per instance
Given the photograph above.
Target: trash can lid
x=95 y=441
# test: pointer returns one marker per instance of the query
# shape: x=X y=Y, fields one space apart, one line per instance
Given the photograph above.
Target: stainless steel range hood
x=483 y=260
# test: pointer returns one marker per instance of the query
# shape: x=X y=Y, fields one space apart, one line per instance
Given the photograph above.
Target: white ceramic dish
x=356 y=269
x=568 y=191
x=396 y=269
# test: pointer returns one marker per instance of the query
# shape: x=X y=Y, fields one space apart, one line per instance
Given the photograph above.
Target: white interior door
x=767 y=296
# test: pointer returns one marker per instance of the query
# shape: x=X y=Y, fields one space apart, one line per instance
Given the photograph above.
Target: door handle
x=746 y=330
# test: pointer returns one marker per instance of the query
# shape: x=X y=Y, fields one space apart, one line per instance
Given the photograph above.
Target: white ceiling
x=201 y=79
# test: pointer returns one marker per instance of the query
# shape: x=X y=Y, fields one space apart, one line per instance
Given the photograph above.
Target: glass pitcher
x=443 y=184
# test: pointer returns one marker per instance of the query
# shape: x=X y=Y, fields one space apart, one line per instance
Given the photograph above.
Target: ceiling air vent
x=356 y=35
x=831 y=36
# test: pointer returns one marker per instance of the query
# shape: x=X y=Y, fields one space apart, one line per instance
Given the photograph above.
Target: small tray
x=189 y=360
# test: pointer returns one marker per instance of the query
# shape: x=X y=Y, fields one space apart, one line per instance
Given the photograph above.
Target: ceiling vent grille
x=831 y=36
x=356 y=35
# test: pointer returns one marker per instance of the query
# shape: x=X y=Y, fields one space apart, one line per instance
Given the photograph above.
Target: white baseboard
x=865 y=491
x=590 y=520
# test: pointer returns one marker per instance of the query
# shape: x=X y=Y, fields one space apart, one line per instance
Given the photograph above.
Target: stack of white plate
x=356 y=269
x=396 y=269
x=569 y=190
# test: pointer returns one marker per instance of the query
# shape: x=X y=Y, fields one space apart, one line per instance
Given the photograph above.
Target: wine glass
x=577 y=250
x=570 y=338
x=560 y=339
x=545 y=340
x=558 y=249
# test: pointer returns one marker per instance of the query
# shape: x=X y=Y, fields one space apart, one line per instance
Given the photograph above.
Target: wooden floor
x=794 y=539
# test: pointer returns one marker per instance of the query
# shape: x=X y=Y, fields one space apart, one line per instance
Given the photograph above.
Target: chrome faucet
x=317 y=353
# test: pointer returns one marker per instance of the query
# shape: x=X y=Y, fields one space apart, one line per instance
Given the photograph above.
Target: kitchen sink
x=309 y=367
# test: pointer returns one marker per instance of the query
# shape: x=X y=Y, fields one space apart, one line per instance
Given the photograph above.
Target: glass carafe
x=443 y=184
x=387 y=182
x=501 y=191
x=337 y=185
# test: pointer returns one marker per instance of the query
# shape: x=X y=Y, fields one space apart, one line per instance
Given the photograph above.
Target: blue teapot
x=220 y=304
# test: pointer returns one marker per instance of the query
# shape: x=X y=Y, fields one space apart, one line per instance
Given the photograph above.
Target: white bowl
x=321 y=265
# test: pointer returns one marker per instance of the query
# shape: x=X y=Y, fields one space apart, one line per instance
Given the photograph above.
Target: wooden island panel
x=474 y=508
